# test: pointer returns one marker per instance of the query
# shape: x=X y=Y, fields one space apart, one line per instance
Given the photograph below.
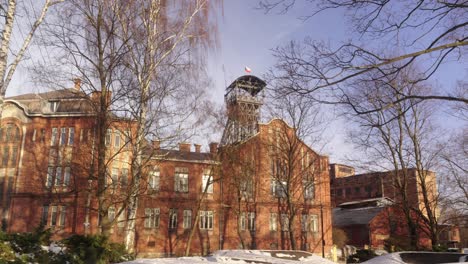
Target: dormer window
x=53 y=105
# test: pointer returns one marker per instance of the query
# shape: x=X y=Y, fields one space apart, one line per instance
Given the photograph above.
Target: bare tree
x=8 y=10
x=400 y=138
x=425 y=32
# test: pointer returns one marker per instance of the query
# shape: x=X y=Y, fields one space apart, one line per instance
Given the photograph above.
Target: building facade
x=186 y=196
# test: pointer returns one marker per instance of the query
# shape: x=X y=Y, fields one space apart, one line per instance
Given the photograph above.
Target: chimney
x=156 y=144
x=77 y=82
x=213 y=147
x=184 y=146
x=197 y=148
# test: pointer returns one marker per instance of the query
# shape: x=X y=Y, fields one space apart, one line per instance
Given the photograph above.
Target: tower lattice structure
x=243 y=109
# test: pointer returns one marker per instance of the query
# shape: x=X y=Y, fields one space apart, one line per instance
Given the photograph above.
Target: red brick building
x=48 y=147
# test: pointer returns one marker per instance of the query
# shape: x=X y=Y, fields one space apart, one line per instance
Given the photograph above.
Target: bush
x=361 y=256
x=395 y=244
x=94 y=249
x=339 y=237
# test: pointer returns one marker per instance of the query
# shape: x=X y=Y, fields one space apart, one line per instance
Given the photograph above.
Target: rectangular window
x=34 y=135
x=153 y=181
x=173 y=218
x=304 y=223
x=63 y=136
x=14 y=153
x=6 y=157
x=206 y=220
x=53 y=216
x=53 y=138
x=187 y=219
x=45 y=214
x=117 y=139
x=58 y=176
x=314 y=223
x=63 y=214
x=8 y=134
x=124 y=177
x=66 y=176
x=273 y=222
x=309 y=190
x=284 y=222
x=281 y=189
x=246 y=188
x=111 y=214
x=242 y=221
x=43 y=134
x=251 y=221
x=108 y=137
x=207 y=182
x=50 y=177
x=152 y=217
x=121 y=218
x=181 y=180
x=71 y=136
x=115 y=177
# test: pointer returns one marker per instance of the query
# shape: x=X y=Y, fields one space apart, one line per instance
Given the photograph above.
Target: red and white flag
x=247 y=69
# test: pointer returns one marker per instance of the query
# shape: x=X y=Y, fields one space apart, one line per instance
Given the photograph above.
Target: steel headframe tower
x=243 y=109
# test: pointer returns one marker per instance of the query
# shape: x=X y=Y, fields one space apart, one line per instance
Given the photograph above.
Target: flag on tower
x=247 y=69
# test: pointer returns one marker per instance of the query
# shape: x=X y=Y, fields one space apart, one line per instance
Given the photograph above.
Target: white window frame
x=207 y=180
x=152 y=216
x=154 y=180
x=71 y=136
x=187 y=219
x=53 y=137
x=284 y=222
x=206 y=220
x=251 y=221
x=181 y=179
x=173 y=218
x=242 y=221
x=313 y=220
x=58 y=176
x=273 y=221
x=50 y=177
x=63 y=136
x=117 y=139
x=309 y=190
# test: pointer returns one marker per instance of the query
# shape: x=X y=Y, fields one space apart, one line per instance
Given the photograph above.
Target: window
x=50 y=176
x=53 y=156
x=181 y=180
x=66 y=177
x=6 y=151
x=152 y=217
x=108 y=137
x=58 y=176
x=251 y=221
x=53 y=105
x=53 y=138
x=273 y=222
x=71 y=136
x=14 y=153
x=53 y=216
x=45 y=214
x=242 y=221
x=207 y=182
x=121 y=218
x=43 y=133
x=153 y=181
x=111 y=214
x=284 y=222
x=281 y=189
x=34 y=135
x=305 y=223
x=124 y=177
x=309 y=190
x=117 y=139
x=115 y=177
x=246 y=188
x=173 y=218
x=206 y=219
x=187 y=219
x=63 y=214
x=8 y=133
x=63 y=136
x=314 y=223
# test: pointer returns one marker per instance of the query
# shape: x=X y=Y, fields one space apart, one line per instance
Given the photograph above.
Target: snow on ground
x=243 y=256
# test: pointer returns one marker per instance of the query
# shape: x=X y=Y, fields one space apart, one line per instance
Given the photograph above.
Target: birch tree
x=156 y=39
x=9 y=58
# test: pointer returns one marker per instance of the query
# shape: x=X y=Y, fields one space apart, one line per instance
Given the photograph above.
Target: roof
x=69 y=101
x=379 y=201
x=358 y=216
x=169 y=154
